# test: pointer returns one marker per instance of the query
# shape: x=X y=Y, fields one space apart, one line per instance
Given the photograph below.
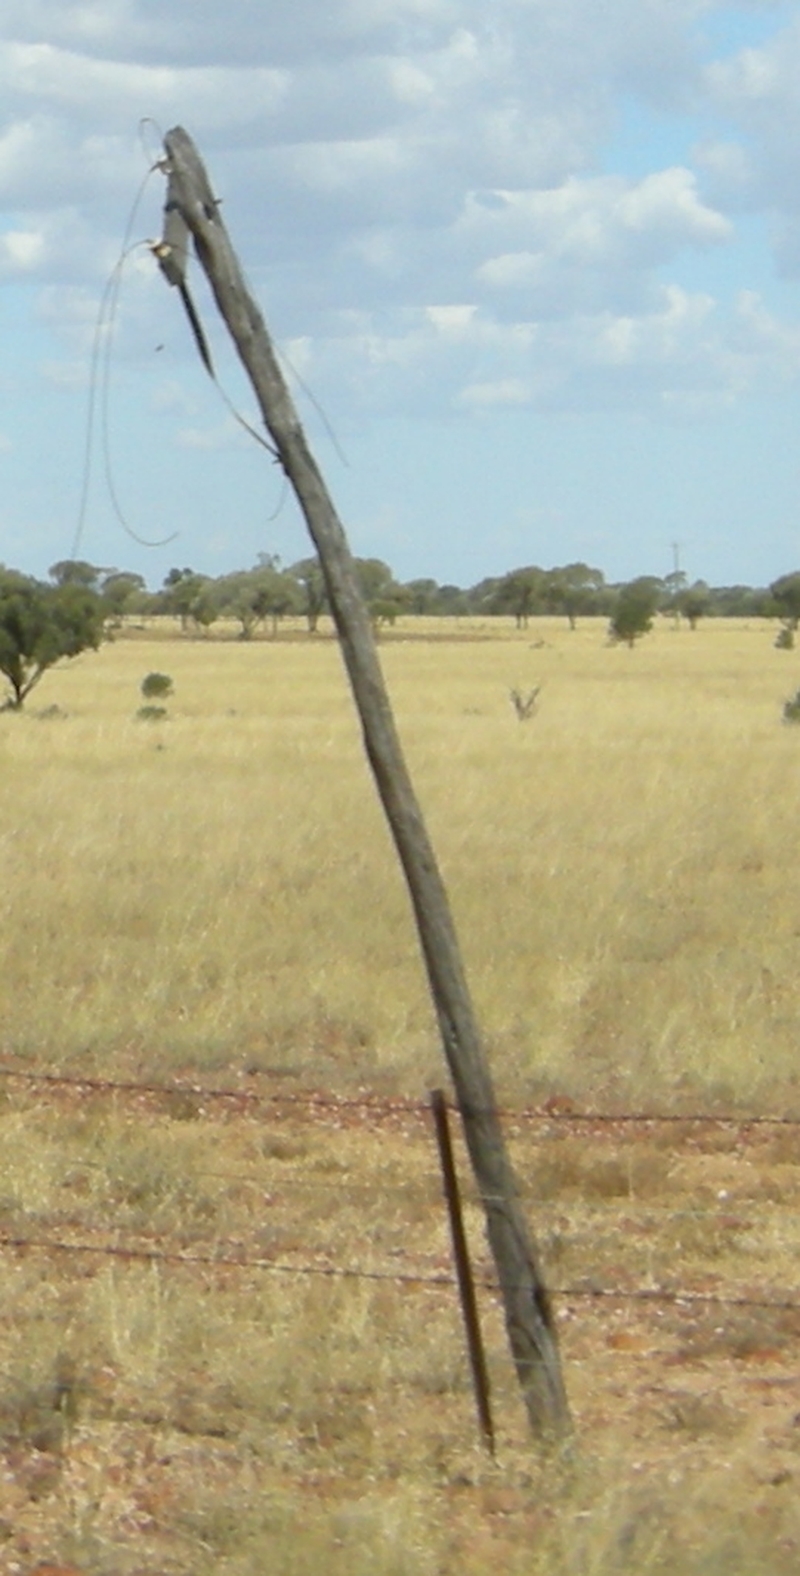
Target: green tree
x=482 y=598
x=574 y=590
x=76 y=572
x=278 y=596
x=40 y=624
x=236 y=597
x=251 y=596
x=675 y=586
x=636 y=607
x=120 y=590
x=185 y=595
x=313 y=596
x=694 y=602
x=203 y=610
x=422 y=596
x=451 y=602
x=385 y=599
x=427 y=597
x=521 y=593
x=376 y=579
x=741 y=602
x=785 y=594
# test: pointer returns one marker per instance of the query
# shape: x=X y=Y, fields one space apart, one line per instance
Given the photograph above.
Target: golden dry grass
x=219 y=889
x=190 y=1418
x=216 y=896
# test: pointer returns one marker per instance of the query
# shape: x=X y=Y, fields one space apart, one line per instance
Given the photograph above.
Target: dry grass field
x=213 y=899
x=219 y=889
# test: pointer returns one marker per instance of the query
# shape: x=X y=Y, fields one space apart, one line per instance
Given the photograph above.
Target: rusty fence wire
x=230 y=1254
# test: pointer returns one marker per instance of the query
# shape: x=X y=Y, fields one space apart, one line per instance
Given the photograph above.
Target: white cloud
x=728 y=171
x=452 y=322
x=491 y=396
x=756 y=90
x=418 y=182
x=52 y=245
x=119 y=92
x=759 y=336
x=20 y=251
x=598 y=222
x=346 y=165
x=46 y=163
x=461 y=357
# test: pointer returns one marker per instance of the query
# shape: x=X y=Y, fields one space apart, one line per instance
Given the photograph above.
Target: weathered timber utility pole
x=192 y=209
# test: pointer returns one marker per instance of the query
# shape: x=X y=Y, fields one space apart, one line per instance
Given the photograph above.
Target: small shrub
x=156 y=686
x=784 y=640
x=151 y=713
x=791 y=709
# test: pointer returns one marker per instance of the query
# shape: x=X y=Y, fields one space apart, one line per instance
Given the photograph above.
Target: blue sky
x=537 y=260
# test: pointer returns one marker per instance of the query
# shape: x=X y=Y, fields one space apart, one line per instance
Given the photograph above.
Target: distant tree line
x=42 y=622
x=259 y=597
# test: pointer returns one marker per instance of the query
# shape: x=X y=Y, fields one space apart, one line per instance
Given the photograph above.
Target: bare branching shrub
x=525 y=705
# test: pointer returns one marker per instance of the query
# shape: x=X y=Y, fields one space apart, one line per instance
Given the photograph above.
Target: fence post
x=466 y=1283
x=529 y=1320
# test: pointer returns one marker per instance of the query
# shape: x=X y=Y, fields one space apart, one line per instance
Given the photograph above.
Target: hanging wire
x=99 y=378
x=316 y=404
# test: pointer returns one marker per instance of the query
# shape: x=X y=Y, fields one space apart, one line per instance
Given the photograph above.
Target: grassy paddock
x=218 y=889
x=215 y=894
x=195 y=1419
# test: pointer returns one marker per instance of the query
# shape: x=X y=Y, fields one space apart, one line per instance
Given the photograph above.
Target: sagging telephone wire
x=100 y=369
x=100 y=380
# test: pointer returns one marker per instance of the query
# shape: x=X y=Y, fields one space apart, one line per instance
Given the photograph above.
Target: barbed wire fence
x=548 y=1121
x=556 y=1111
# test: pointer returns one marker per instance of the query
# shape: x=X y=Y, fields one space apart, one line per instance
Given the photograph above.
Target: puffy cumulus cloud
x=760 y=339
x=758 y=86
x=44 y=164
x=642 y=40
x=590 y=241
x=515 y=94
x=50 y=245
x=20 y=252
x=601 y=220
x=191 y=31
x=756 y=90
x=728 y=172
x=97 y=23
x=378 y=157
x=587 y=244
x=681 y=354
x=113 y=92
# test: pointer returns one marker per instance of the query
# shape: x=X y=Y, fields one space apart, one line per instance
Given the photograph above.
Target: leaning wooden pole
x=191 y=208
